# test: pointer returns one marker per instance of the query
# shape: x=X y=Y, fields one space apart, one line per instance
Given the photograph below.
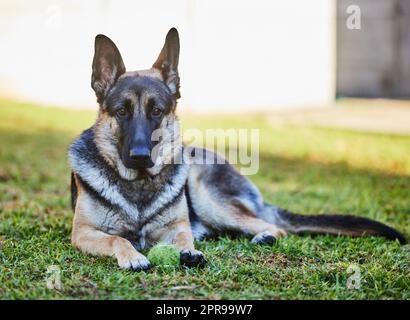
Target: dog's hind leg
x=225 y=202
x=236 y=218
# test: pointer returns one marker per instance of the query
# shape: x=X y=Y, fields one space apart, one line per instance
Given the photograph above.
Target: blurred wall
x=375 y=60
x=236 y=55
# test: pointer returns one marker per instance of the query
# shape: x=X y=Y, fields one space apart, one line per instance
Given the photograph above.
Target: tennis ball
x=164 y=255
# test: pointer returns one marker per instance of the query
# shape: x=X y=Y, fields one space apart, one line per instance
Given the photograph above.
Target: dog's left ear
x=167 y=62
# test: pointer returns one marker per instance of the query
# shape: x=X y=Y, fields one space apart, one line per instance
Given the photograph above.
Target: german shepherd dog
x=126 y=199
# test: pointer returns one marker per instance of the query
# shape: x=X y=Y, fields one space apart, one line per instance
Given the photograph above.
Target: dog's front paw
x=135 y=262
x=192 y=258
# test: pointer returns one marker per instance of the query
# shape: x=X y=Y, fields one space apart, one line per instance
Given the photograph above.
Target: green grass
x=304 y=169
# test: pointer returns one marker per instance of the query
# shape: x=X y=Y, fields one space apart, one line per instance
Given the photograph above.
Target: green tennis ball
x=164 y=255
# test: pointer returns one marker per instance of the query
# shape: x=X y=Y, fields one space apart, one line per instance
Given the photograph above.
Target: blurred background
x=236 y=55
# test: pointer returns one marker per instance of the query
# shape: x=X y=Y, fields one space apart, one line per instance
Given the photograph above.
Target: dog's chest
x=154 y=199
x=120 y=205
x=147 y=207
x=144 y=192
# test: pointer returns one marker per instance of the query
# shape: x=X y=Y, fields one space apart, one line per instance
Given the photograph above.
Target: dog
x=125 y=199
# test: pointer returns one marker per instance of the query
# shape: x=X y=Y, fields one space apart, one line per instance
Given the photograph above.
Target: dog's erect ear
x=167 y=62
x=107 y=66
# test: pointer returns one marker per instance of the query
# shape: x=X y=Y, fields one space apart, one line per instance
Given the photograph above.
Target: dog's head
x=133 y=105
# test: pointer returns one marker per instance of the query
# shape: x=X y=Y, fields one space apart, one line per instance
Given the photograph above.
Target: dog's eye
x=156 y=112
x=121 y=112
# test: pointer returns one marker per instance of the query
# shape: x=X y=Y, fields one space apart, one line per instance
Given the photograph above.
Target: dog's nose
x=140 y=154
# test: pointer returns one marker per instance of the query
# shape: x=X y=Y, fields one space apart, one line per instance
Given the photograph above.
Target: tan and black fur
x=125 y=200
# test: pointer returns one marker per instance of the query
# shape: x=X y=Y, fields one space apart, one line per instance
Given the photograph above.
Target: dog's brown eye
x=121 y=112
x=156 y=112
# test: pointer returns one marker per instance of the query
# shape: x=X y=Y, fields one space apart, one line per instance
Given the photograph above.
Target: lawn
x=302 y=168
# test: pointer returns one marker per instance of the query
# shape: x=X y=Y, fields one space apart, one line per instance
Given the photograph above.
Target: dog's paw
x=264 y=238
x=192 y=258
x=137 y=262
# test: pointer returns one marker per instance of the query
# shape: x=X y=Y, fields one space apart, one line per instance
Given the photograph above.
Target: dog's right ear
x=107 y=66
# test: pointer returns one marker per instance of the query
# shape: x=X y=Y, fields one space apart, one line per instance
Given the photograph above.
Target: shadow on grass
x=34 y=165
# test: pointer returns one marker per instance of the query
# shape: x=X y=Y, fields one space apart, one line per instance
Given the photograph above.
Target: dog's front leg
x=96 y=242
x=179 y=233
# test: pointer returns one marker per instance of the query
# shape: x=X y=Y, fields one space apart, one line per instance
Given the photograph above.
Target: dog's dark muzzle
x=138 y=146
x=140 y=157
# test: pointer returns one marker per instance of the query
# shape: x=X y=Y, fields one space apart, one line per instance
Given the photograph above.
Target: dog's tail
x=331 y=224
